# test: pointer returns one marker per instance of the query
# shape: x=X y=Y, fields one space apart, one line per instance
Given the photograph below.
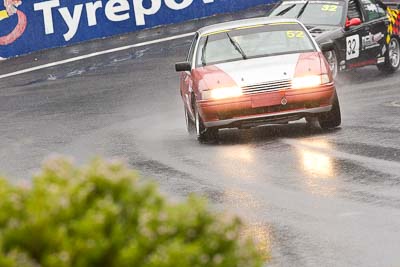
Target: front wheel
x=190 y=125
x=332 y=118
x=204 y=134
x=331 y=57
x=392 y=58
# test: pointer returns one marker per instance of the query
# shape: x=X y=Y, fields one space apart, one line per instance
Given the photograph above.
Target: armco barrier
x=31 y=25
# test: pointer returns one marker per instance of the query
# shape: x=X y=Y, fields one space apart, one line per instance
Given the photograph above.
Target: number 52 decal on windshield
x=329 y=8
x=352 y=47
x=293 y=34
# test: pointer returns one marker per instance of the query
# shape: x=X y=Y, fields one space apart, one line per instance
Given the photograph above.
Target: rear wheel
x=333 y=62
x=332 y=118
x=204 y=134
x=392 y=58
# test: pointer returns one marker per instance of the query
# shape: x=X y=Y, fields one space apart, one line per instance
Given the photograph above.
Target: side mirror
x=183 y=66
x=328 y=46
x=353 y=22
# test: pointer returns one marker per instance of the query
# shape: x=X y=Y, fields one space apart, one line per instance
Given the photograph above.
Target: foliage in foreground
x=102 y=215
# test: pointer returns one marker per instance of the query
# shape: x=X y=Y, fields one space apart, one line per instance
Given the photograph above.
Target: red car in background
x=253 y=72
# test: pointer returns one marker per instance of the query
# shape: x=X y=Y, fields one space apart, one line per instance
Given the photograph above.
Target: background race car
x=359 y=32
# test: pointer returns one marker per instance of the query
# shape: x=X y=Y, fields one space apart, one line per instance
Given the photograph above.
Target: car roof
x=243 y=23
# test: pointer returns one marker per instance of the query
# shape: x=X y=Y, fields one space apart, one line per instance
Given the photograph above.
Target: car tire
x=331 y=58
x=312 y=122
x=190 y=124
x=204 y=134
x=392 y=57
x=332 y=118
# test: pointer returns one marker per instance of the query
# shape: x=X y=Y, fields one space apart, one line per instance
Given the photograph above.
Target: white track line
x=61 y=62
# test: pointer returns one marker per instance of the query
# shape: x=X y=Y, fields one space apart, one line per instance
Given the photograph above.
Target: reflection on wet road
x=317 y=198
x=236 y=160
x=318 y=167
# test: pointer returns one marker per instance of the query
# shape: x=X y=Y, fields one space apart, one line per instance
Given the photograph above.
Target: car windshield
x=252 y=42
x=311 y=12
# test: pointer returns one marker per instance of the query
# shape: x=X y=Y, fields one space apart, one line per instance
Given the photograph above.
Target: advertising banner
x=31 y=25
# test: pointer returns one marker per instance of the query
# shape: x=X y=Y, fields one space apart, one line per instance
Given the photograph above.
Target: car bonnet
x=256 y=71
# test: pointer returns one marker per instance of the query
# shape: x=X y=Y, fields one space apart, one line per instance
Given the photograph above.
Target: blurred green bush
x=103 y=215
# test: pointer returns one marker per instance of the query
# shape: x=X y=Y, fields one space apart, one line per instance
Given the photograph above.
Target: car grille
x=266 y=87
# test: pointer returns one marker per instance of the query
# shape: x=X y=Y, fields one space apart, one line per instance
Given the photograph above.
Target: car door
x=353 y=36
x=186 y=78
x=373 y=43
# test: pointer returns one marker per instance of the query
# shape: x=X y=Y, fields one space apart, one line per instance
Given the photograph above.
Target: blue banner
x=32 y=25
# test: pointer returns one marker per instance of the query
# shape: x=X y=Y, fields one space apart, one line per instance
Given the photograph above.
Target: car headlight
x=221 y=93
x=310 y=81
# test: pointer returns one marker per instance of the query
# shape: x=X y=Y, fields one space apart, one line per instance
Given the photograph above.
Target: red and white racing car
x=252 y=72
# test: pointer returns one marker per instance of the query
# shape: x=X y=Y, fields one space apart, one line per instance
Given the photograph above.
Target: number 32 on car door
x=352 y=47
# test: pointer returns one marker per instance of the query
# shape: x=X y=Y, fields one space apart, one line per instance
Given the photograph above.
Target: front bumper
x=268 y=118
x=265 y=108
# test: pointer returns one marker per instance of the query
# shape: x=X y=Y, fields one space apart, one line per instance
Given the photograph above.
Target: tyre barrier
x=28 y=26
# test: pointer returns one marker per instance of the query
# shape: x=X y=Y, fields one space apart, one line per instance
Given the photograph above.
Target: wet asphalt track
x=320 y=198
